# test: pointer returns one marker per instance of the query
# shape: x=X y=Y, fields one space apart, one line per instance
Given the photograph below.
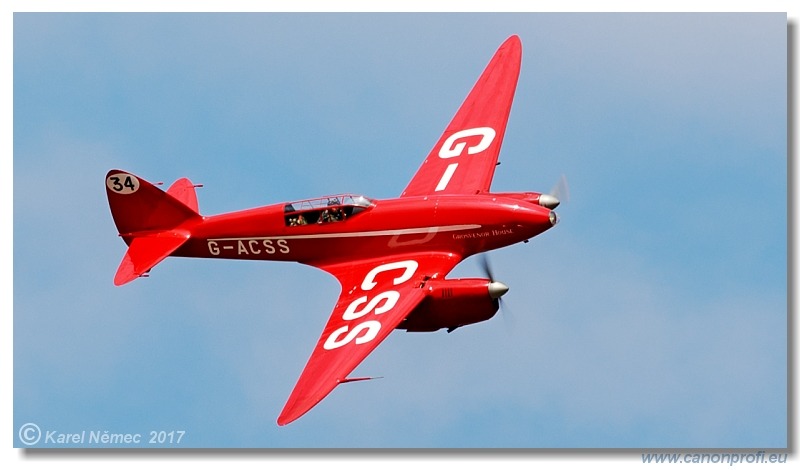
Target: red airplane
x=390 y=256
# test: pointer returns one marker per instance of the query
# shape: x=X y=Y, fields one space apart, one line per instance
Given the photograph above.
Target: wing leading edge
x=377 y=294
x=464 y=158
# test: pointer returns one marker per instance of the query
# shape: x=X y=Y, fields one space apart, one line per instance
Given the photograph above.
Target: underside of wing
x=377 y=295
x=464 y=158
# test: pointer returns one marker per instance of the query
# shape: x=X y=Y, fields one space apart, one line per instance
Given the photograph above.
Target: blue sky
x=653 y=316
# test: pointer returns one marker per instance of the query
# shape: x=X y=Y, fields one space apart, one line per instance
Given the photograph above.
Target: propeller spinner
x=559 y=191
x=496 y=288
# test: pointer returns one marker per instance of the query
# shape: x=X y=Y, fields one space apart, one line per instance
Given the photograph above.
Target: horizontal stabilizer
x=147 y=251
x=183 y=190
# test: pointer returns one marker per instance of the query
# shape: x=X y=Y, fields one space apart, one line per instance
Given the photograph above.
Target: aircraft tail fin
x=149 y=220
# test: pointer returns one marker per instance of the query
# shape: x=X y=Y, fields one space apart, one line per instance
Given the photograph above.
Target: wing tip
x=283 y=421
x=289 y=415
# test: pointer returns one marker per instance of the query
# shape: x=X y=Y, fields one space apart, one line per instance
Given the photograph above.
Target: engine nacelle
x=451 y=303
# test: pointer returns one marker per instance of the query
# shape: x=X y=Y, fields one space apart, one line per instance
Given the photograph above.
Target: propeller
x=496 y=289
x=559 y=193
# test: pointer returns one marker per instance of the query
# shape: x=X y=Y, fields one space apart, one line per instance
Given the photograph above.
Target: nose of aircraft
x=538 y=215
x=535 y=219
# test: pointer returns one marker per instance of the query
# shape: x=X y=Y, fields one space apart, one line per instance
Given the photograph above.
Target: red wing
x=464 y=159
x=377 y=294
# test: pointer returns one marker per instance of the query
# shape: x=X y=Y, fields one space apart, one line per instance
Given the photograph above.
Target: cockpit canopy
x=324 y=209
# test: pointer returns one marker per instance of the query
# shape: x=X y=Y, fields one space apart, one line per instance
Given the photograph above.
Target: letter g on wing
x=452 y=149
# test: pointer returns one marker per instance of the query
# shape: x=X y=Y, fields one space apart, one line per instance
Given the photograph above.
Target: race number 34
x=122 y=183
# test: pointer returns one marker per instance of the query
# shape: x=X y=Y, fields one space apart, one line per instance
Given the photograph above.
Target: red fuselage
x=459 y=224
